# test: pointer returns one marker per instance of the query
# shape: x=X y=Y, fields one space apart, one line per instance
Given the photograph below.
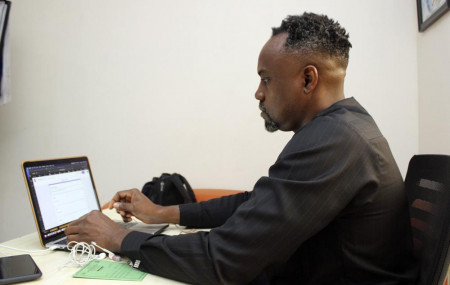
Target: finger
x=78 y=238
x=122 y=213
x=73 y=238
x=126 y=207
x=72 y=229
x=125 y=194
x=126 y=219
x=122 y=196
x=115 y=198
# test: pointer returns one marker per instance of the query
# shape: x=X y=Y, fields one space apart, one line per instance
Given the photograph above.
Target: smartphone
x=18 y=268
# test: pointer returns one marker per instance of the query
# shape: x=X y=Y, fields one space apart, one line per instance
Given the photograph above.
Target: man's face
x=280 y=88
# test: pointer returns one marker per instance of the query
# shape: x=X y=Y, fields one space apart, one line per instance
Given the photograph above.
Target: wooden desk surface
x=52 y=263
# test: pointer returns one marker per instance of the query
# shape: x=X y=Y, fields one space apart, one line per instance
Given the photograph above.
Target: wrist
x=170 y=214
x=117 y=238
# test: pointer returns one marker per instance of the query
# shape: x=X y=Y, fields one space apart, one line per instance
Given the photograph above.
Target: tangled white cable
x=111 y=255
x=82 y=252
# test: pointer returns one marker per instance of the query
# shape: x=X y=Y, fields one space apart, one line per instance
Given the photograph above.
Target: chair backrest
x=428 y=189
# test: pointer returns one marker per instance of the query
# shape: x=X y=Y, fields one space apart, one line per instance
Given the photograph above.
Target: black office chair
x=428 y=188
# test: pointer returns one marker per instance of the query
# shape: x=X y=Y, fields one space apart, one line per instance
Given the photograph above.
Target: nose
x=259 y=95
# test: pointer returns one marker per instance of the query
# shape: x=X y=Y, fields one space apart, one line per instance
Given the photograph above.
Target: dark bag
x=169 y=189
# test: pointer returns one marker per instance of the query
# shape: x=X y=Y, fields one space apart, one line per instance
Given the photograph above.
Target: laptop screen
x=61 y=191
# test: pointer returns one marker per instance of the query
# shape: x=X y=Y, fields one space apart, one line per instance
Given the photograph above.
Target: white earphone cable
x=81 y=253
x=30 y=250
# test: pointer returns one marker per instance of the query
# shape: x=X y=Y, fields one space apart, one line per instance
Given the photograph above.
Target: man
x=332 y=210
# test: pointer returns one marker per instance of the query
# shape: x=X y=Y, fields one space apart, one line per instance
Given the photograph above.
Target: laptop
x=61 y=191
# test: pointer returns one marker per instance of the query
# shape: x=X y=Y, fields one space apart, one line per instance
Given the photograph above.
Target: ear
x=311 y=78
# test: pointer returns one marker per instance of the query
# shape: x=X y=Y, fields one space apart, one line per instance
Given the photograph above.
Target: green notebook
x=109 y=270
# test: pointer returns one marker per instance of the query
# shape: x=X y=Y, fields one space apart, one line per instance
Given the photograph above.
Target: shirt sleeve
x=212 y=213
x=313 y=180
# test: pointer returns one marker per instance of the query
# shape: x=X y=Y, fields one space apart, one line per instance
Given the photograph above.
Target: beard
x=270 y=125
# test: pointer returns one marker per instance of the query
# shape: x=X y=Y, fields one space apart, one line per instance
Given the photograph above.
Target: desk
x=52 y=263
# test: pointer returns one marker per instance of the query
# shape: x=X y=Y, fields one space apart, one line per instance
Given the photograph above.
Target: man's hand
x=132 y=202
x=97 y=227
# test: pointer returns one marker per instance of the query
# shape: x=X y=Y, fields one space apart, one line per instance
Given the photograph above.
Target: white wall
x=144 y=87
x=434 y=87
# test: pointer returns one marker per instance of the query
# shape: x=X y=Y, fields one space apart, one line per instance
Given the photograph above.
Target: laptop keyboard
x=127 y=225
x=61 y=242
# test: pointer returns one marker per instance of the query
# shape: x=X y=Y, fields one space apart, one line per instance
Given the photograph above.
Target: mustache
x=271 y=125
x=263 y=108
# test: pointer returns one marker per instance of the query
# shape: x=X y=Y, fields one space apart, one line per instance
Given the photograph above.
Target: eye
x=265 y=81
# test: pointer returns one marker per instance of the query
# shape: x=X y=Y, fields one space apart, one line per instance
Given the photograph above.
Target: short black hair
x=315 y=33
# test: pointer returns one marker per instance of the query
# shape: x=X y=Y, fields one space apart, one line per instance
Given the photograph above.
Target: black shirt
x=331 y=211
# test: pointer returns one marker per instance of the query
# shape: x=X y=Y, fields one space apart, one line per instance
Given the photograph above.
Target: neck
x=331 y=88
